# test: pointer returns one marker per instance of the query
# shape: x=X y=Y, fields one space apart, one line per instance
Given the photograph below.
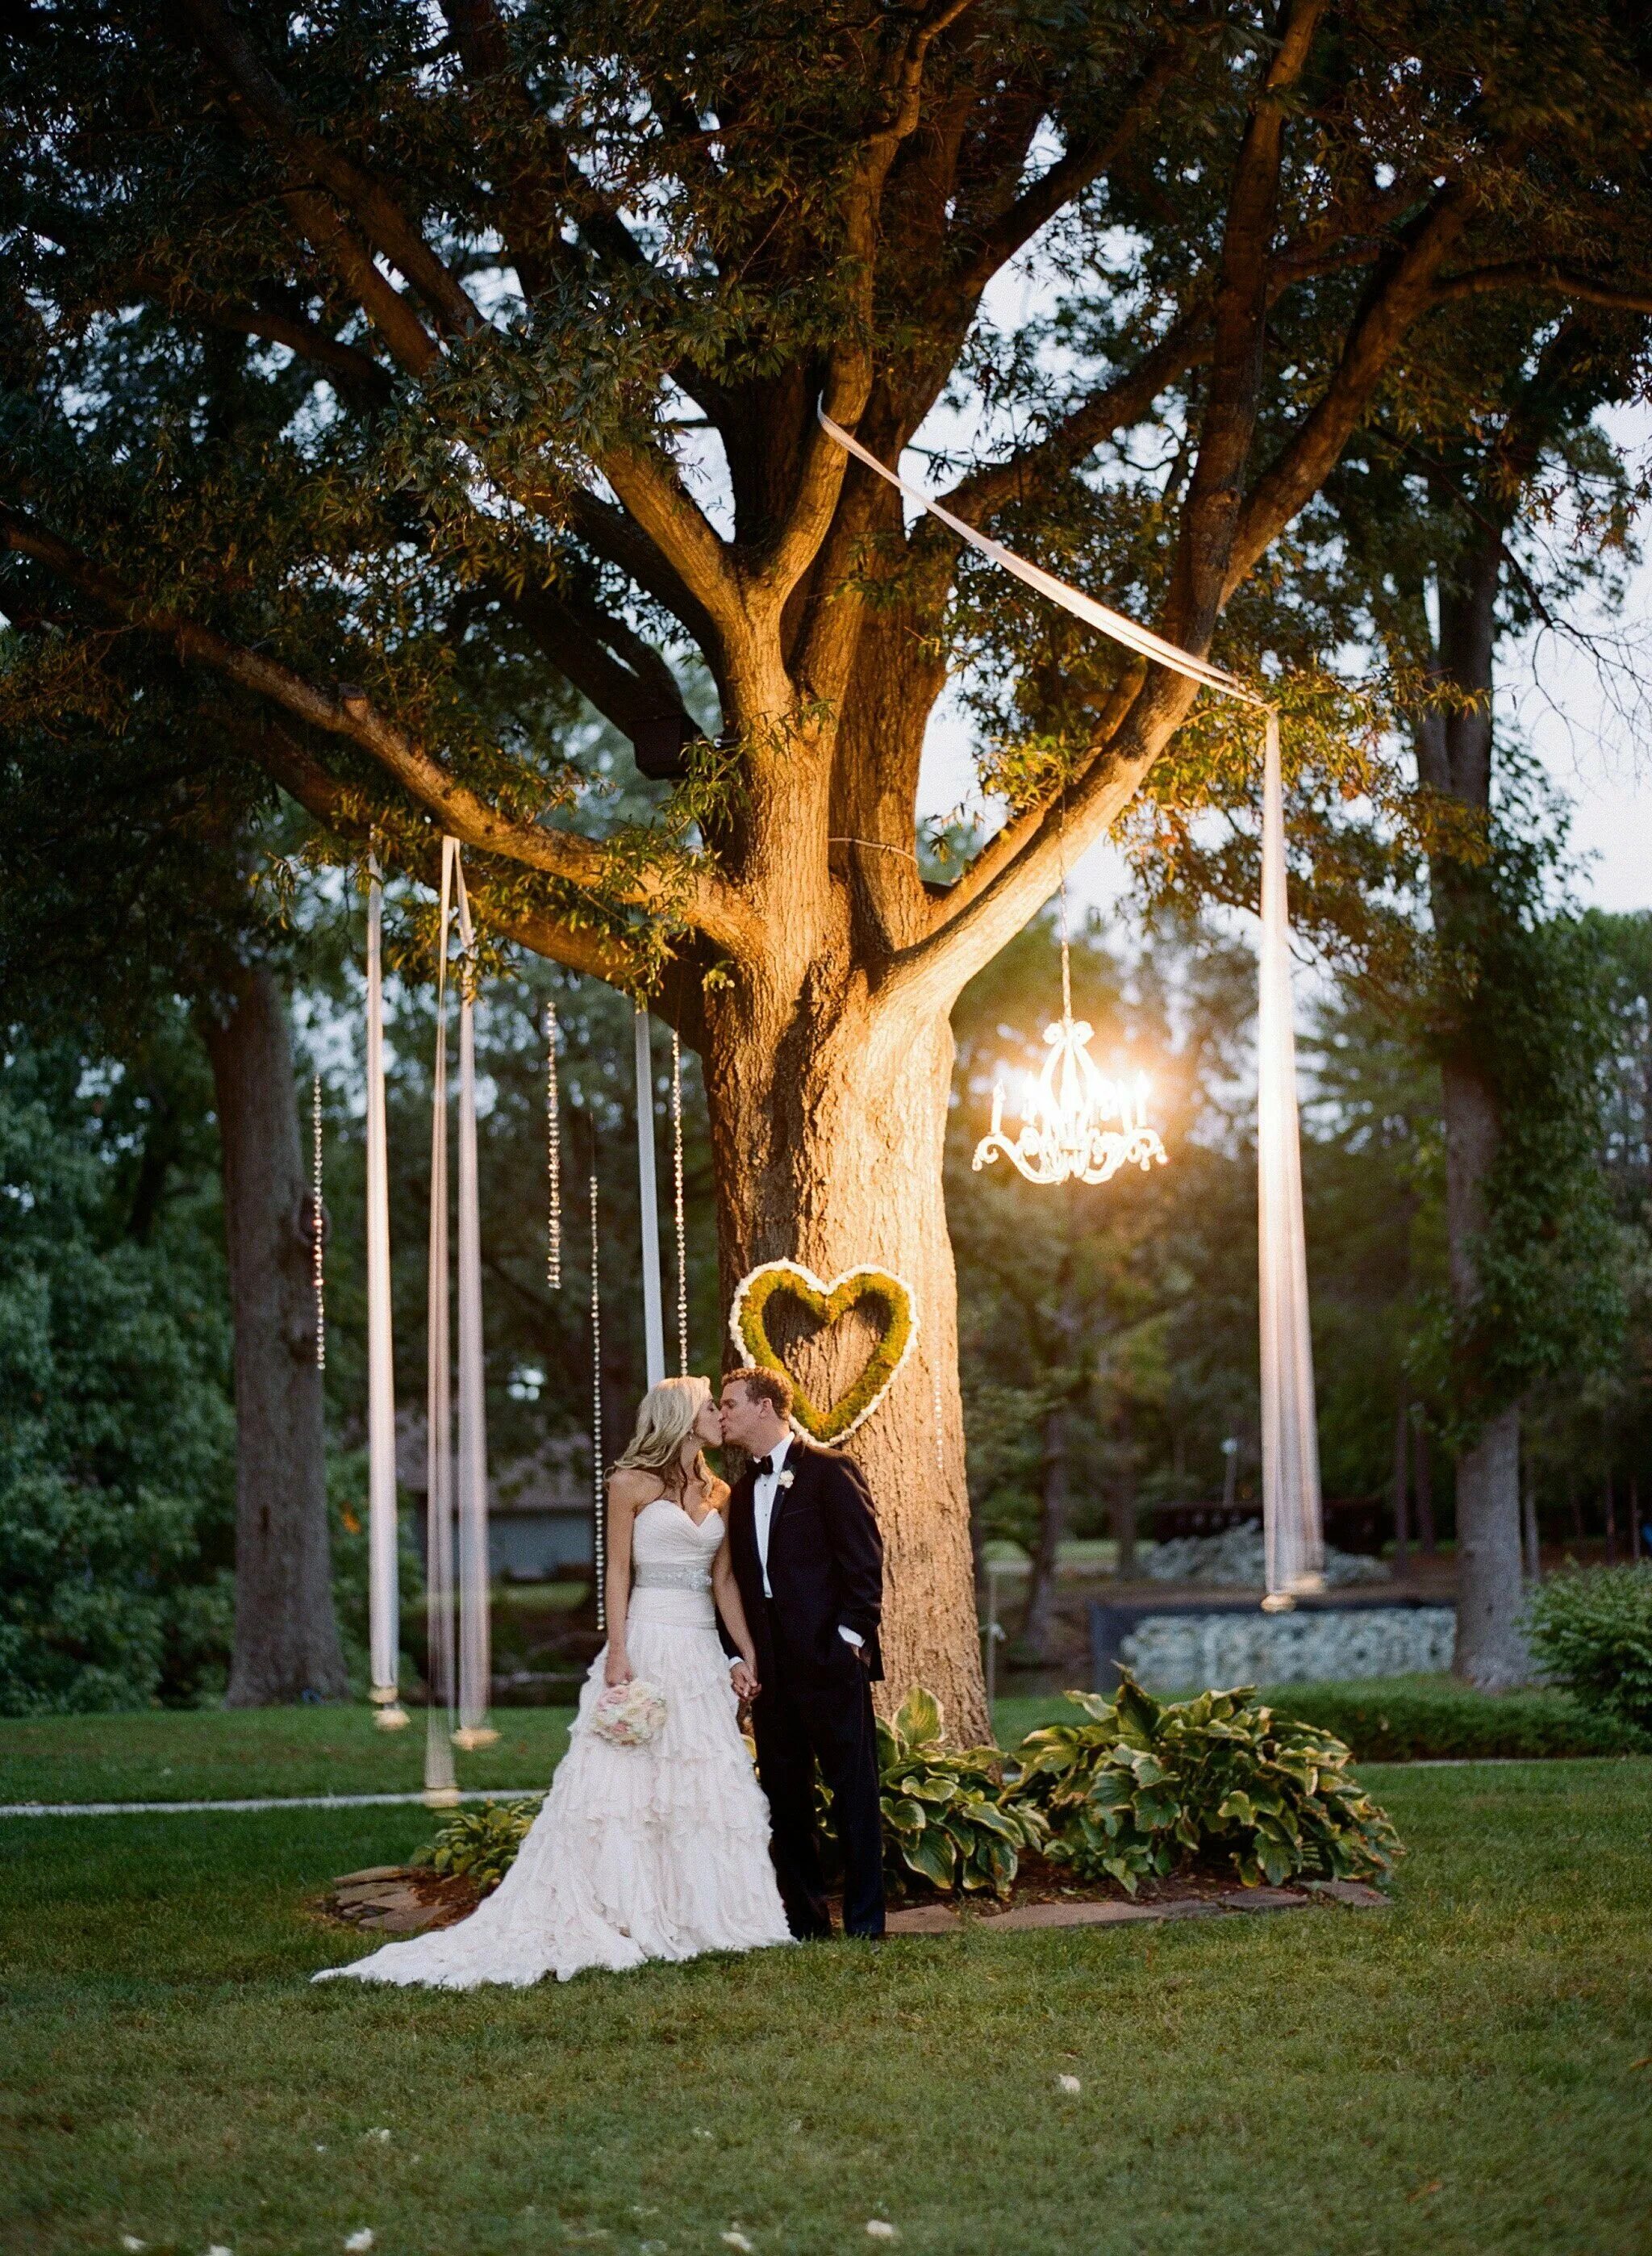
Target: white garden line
x=273 y=1801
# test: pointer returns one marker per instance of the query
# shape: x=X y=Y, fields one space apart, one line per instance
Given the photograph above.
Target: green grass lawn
x=1467 y=2071
x=215 y=1755
x=211 y=1755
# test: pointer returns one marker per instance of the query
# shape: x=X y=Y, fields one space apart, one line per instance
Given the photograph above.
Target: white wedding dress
x=657 y=1852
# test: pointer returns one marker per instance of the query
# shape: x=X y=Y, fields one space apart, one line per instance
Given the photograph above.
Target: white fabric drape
x=475 y=1664
x=384 y=1599
x=1292 y=1517
x=1292 y=1511
x=439 y=1782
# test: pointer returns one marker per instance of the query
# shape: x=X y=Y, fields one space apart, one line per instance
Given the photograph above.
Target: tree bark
x=287 y=1638
x=1454 y=756
x=1491 y=1653
x=827 y=1121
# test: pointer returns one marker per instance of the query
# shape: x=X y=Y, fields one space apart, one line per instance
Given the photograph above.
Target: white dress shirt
x=765 y=1491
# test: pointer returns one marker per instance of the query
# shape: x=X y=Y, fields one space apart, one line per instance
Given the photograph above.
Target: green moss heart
x=855 y=1288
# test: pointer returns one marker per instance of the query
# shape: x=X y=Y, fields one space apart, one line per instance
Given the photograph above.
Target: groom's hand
x=744 y=1680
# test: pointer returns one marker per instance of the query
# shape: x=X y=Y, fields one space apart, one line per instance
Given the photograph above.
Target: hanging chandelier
x=1076 y=1124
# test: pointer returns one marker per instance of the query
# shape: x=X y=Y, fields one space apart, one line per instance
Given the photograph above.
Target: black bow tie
x=765 y=1465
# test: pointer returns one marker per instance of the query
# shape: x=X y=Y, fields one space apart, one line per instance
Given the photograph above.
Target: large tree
x=1451 y=530
x=542 y=298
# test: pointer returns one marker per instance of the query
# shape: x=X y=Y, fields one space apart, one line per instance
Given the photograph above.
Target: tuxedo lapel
x=795 y=1470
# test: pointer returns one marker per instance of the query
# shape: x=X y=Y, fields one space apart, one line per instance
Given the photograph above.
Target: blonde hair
x=665 y=1420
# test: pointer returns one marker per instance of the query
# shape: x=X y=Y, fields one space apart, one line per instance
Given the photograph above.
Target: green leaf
x=918 y=1718
x=933 y=1854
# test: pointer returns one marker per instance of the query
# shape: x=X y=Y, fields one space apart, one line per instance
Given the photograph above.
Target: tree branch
x=1073 y=172
x=705 y=903
x=263 y=112
x=601 y=955
x=1539 y=274
x=848 y=379
x=1227 y=425
x=1115 y=407
x=1397 y=295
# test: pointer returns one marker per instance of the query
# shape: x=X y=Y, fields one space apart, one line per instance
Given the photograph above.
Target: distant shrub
x=1592 y=1631
x=1421 y=1722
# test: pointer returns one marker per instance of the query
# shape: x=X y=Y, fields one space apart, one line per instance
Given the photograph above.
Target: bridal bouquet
x=629 y=1715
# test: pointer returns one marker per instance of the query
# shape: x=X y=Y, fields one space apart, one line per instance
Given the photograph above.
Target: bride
x=652 y=1851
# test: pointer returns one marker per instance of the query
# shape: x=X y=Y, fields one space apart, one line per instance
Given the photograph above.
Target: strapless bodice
x=670 y=1563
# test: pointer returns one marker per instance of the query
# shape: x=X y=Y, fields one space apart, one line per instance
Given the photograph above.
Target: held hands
x=618 y=1669
x=743 y=1677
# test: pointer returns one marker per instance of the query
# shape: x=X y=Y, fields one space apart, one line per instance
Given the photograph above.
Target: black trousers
x=801 y=1716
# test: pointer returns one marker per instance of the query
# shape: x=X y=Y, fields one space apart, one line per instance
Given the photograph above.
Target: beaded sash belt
x=655 y=1575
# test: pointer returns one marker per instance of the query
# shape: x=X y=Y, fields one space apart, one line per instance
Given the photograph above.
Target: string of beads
x=600 y=1498
x=677 y=1178
x=317 y=1225
x=552 y=1156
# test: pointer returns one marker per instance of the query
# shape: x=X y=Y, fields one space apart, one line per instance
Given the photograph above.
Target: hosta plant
x=1142 y=1785
x=946 y=1819
x=481 y=1844
x=945 y=1815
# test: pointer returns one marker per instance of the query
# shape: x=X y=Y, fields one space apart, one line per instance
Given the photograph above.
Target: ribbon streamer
x=384 y=1596
x=442 y=1787
x=476 y=1656
x=1292 y=1514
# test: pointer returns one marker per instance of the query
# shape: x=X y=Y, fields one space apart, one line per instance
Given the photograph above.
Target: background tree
x=540 y=301
x=129 y=842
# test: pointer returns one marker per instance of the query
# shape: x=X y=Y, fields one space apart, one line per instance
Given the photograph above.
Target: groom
x=809 y=1560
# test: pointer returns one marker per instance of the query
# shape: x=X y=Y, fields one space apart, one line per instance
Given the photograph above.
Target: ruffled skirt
x=658 y=1851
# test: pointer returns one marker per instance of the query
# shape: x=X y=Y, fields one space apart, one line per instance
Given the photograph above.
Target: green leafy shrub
x=1420 y=1721
x=946 y=1817
x=1592 y=1632
x=480 y=1844
x=117 y=1431
x=1145 y=1785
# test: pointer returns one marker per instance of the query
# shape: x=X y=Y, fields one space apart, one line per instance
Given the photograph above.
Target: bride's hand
x=618 y=1669
x=743 y=1677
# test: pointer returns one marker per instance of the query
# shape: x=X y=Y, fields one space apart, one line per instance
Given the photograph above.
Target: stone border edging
x=948 y=1919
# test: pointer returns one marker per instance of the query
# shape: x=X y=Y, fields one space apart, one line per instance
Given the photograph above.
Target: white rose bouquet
x=629 y=1715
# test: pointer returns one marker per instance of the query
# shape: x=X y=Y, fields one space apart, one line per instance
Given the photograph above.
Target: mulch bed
x=391 y=1900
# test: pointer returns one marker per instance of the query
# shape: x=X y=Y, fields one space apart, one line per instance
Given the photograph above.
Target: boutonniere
x=787 y=1477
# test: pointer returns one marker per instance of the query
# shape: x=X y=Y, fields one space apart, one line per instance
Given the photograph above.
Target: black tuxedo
x=825 y=1572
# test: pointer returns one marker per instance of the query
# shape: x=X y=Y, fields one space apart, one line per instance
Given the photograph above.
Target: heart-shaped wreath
x=747 y=1327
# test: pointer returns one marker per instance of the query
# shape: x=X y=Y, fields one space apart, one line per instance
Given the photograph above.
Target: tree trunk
x=1423 y=1460
x=1038 y=1630
x=287 y=1633
x=1454 y=755
x=1402 y=1481
x=827 y=1123
x=1491 y=1653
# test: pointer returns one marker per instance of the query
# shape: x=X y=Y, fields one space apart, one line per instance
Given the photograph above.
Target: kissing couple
x=770 y=1592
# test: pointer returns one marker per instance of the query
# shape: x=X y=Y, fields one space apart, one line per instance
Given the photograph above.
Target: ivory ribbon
x=1292 y=1514
x=384 y=1600
x=439 y=1782
x=475 y=1663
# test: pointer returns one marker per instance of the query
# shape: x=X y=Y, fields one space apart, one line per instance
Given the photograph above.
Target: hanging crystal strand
x=318 y=1226
x=552 y=1156
x=677 y=1190
x=442 y=1787
x=599 y=1494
